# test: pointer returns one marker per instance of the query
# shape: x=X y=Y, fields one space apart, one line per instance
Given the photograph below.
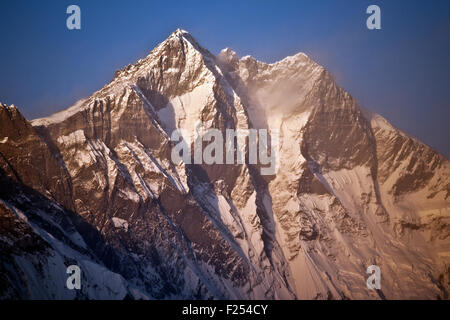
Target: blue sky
x=400 y=71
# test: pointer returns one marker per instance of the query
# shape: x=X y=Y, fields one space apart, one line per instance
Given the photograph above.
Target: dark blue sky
x=400 y=71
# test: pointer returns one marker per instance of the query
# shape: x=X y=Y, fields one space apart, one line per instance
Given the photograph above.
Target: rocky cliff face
x=95 y=185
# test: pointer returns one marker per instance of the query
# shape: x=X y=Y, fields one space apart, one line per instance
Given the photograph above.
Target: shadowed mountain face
x=95 y=186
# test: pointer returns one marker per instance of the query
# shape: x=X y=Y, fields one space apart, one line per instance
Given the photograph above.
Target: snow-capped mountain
x=95 y=186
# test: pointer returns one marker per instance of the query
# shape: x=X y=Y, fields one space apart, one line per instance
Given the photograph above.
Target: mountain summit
x=95 y=186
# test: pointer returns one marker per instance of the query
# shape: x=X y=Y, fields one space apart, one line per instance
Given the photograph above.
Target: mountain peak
x=12 y=111
x=177 y=40
x=180 y=32
x=4 y=105
x=228 y=58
